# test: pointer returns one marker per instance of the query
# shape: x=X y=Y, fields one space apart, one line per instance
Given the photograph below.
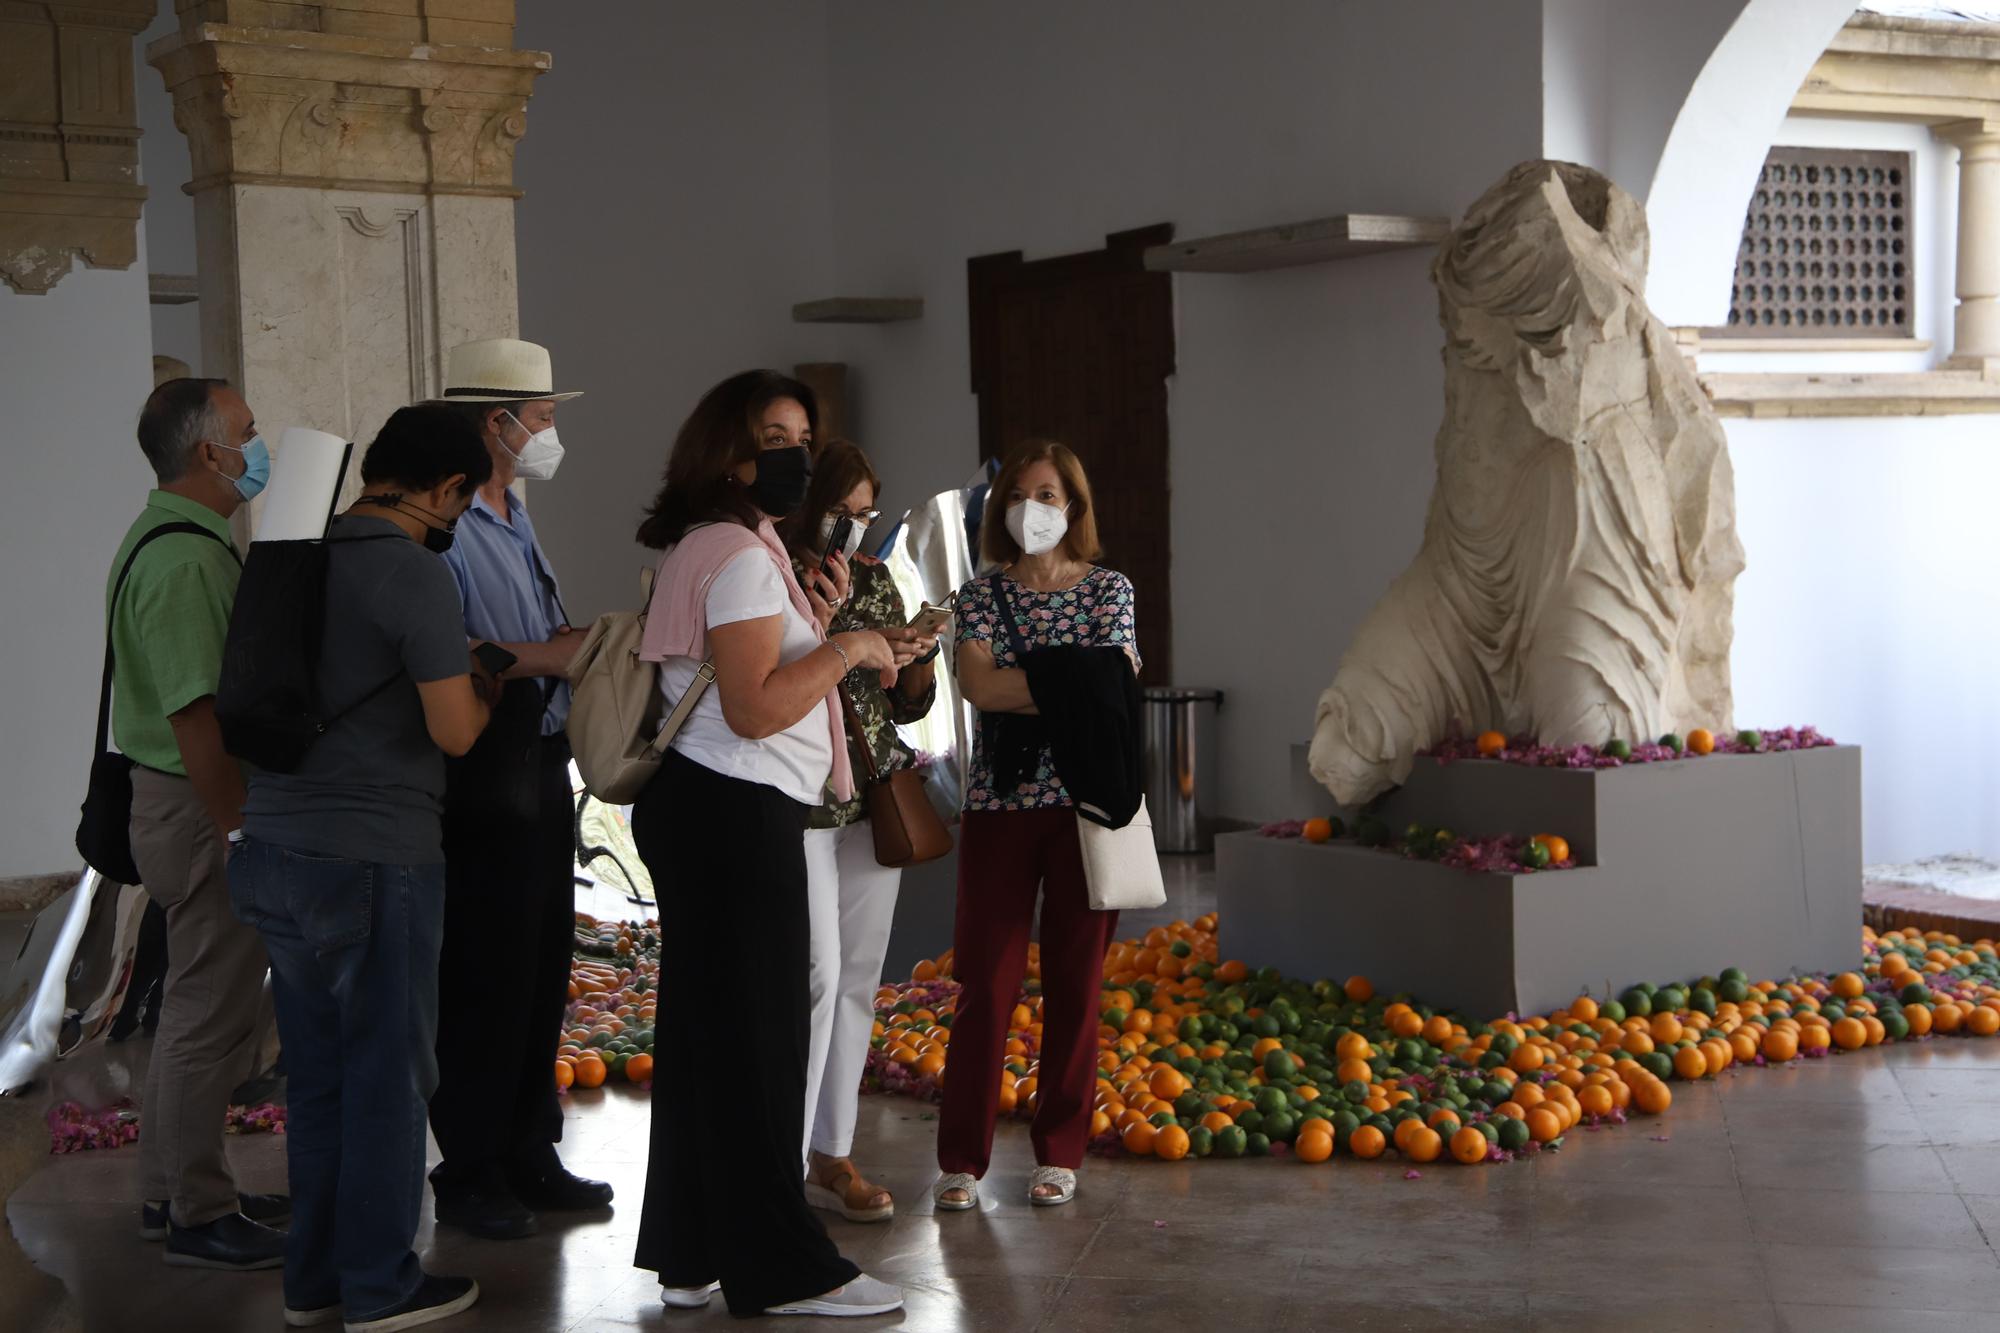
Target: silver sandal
x=1061 y=1177
x=956 y=1180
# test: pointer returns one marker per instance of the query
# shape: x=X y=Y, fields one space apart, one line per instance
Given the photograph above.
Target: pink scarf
x=677 y=617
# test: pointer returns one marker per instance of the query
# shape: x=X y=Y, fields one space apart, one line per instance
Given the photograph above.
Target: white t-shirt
x=796 y=760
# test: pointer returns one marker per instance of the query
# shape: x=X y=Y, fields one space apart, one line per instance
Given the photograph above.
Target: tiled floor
x=1854 y=1193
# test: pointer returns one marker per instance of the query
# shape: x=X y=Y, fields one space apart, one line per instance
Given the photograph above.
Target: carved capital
x=331 y=110
x=69 y=138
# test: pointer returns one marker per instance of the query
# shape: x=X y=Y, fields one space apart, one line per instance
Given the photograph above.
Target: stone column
x=354 y=193
x=1976 y=322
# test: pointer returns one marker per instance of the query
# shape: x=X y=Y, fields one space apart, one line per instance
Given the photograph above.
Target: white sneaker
x=863 y=1296
x=688 y=1298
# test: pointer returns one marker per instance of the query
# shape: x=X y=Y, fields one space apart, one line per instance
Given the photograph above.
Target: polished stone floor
x=1859 y=1192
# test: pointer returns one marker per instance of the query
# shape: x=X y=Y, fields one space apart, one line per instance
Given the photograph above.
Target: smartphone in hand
x=931 y=619
x=494 y=658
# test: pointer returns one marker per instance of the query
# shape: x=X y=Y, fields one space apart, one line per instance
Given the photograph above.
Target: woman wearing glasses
x=851 y=897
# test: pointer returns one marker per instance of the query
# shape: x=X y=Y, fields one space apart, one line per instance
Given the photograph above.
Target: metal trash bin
x=1180 y=767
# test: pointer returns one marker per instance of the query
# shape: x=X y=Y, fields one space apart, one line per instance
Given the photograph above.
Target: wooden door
x=1078 y=349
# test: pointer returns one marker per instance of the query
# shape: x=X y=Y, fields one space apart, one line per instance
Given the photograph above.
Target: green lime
x=1257 y=1145
x=1750 y=740
x=1489 y=1129
x=1618 y=749
x=1278 y=1064
x=1657 y=1063
x=1636 y=1003
x=1160 y=1119
x=1669 y=999
x=1513 y=1133
x=1535 y=856
x=1251 y=1120
x=1733 y=989
x=1612 y=1010
x=1180 y=949
x=1895 y=1027
x=1670 y=741
x=1115 y=1017
x=1270 y=1099
x=1230 y=1141
x=1281 y=1125
x=1266 y=1025
x=1201 y=1141
x=1915 y=993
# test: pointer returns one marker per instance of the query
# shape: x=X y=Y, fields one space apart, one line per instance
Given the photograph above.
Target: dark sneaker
x=270 y=1209
x=324 y=1314
x=485 y=1207
x=233 y=1242
x=435 y=1298
x=552 y=1188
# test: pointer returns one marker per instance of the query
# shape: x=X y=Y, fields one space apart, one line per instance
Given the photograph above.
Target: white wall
x=1306 y=399
x=77 y=366
x=676 y=178
x=1615 y=74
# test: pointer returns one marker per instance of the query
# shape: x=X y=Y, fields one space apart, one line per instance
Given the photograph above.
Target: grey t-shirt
x=372 y=787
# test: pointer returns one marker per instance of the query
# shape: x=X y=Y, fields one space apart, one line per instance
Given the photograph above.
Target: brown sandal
x=850 y=1201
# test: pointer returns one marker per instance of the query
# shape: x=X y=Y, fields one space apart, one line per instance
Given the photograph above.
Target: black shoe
x=232 y=1242
x=270 y=1209
x=486 y=1208
x=435 y=1298
x=554 y=1189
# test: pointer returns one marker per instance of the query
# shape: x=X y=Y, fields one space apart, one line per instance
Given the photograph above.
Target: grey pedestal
x=1751 y=861
x=926 y=906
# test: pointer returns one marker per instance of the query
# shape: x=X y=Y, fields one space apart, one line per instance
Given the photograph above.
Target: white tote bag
x=1121 y=865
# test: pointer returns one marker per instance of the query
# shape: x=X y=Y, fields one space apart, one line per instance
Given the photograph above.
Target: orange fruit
x=1170 y=1143
x=1815 y=1037
x=1404 y=1131
x=1654 y=1097
x=1946 y=1017
x=1666 y=1030
x=1544 y=1124
x=1426 y=1145
x=1353 y=1046
x=1491 y=743
x=1407 y=1024
x=1317 y=830
x=1366 y=1142
x=1849 y=1034
x=639 y=1068
x=590 y=1070
x=1982 y=1020
x=1690 y=1063
x=1701 y=741
x=1216 y=1121
x=1166 y=1082
x=1138 y=1138
x=1526 y=1059
x=925 y=970
x=1313 y=1147
x=1595 y=1100
x=1919 y=1018
x=1558 y=847
x=1469 y=1146
x=1360 y=990
x=1780 y=1045
x=1529 y=1095
x=1848 y=985
x=1583 y=1009
x=565 y=1074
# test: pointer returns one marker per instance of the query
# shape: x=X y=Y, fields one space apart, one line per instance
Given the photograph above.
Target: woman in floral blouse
x=851 y=897
x=1019 y=830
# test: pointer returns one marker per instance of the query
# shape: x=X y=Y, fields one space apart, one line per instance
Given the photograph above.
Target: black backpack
x=268 y=703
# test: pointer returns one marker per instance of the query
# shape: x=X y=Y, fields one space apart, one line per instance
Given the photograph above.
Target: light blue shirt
x=507 y=588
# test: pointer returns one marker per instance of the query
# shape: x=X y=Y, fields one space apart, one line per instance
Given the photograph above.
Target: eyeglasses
x=866 y=518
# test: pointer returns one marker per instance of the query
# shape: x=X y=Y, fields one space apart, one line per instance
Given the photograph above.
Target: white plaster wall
x=1615 y=73
x=1306 y=399
x=1866 y=610
x=676 y=178
x=77 y=366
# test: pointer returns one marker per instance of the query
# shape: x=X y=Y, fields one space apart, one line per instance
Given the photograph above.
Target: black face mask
x=782 y=478
x=436 y=540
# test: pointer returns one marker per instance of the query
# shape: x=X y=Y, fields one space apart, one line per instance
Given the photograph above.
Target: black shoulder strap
x=1005 y=602
x=111 y=616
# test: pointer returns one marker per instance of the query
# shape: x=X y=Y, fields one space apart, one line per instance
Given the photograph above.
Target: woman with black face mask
x=722 y=829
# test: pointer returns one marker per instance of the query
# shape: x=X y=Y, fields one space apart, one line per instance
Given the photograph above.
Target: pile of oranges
x=608 y=1028
x=1202 y=1057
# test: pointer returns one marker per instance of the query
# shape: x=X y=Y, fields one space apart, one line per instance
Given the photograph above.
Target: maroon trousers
x=1004 y=859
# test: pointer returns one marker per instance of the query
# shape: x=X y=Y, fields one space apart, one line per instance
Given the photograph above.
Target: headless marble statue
x=1575 y=578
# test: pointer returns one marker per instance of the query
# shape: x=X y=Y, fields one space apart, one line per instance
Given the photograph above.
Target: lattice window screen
x=1828 y=248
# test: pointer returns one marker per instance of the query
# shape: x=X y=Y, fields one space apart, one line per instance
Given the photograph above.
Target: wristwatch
x=930 y=656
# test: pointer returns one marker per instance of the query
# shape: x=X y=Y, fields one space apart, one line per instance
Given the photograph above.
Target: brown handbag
x=908 y=830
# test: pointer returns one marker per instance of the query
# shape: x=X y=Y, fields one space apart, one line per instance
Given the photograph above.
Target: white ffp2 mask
x=539 y=457
x=855 y=532
x=1038 y=527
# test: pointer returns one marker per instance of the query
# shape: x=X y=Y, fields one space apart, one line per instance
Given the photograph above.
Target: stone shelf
x=859 y=310
x=1346 y=236
x=1917 y=394
x=172 y=288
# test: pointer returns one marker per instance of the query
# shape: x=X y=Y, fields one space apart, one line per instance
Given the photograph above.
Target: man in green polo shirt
x=167 y=630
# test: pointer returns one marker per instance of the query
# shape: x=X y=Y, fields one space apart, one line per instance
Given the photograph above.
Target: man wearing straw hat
x=508 y=832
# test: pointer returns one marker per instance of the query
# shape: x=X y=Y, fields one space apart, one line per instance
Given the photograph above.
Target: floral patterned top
x=1096 y=612
x=872 y=603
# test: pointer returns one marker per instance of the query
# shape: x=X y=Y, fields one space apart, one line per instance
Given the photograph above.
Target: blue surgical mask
x=256 y=467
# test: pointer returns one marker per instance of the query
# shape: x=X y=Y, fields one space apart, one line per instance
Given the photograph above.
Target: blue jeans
x=354 y=978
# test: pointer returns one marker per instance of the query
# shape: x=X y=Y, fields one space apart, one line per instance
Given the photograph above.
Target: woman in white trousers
x=851 y=897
